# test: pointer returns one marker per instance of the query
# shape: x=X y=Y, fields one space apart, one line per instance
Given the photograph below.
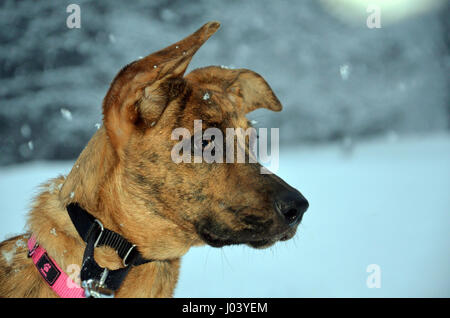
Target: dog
x=126 y=179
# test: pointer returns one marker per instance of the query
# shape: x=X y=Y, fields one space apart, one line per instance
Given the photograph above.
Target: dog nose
x=291 y=205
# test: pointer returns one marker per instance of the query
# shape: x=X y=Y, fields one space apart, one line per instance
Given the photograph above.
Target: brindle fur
x=125 y=177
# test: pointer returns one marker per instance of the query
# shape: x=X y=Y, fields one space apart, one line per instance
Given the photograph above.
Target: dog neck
x=90 y=178
x=96 y=183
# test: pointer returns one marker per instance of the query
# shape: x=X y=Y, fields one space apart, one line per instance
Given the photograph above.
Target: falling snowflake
x=253 y=122
x=30 y=145
x=25 y=130
x=112 y=38
x=206 y=96
x=97 y=126
x=67 y=115
x=53 y=232
x=72 y=194
x=345 y=71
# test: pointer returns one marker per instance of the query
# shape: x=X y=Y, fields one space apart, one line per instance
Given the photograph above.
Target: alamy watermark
x=73 y=278
x=374 y=19
x=374 y=278
x=211 y=146
x=73 y=20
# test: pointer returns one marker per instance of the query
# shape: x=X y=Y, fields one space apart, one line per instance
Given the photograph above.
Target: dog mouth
x=216 y=240
x=269 y=242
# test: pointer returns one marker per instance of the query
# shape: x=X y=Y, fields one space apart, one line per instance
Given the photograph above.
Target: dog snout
x=291 y=205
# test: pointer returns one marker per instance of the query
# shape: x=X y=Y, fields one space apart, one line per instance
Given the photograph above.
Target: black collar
x=98 y=281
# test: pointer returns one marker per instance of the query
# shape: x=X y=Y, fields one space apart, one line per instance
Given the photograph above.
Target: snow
x=25 y=130
x=112 y=38
x=9 y=255
x=389 y=77
x=345 y=71
x=21 y=243
x=383 y=204
x=18 y=186
x=67 y=115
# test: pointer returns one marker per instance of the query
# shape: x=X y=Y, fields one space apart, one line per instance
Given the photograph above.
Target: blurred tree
x=336 y=81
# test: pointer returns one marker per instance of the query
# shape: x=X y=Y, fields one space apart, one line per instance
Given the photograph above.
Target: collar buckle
x=101 y=232
x=124 y=261
x=94 y=288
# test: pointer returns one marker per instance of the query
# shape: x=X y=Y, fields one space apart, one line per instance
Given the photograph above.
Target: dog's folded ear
x=141 y=90
x=251 y=91
x=246 y=89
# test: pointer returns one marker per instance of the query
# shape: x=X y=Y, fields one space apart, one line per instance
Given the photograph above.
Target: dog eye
x=204 y=144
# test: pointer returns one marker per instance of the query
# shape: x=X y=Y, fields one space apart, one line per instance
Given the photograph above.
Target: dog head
x=216 y=203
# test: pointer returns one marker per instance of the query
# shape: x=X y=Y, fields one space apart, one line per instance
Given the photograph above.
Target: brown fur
x=125 y=177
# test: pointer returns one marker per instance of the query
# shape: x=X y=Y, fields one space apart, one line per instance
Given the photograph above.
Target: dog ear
x=250 y=91
x=246 y=89
x=141 y=90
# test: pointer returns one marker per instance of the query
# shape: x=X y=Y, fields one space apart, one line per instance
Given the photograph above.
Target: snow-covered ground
x=386 y=202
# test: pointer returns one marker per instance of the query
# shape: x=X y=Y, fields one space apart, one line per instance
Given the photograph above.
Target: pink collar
x=55 y=277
